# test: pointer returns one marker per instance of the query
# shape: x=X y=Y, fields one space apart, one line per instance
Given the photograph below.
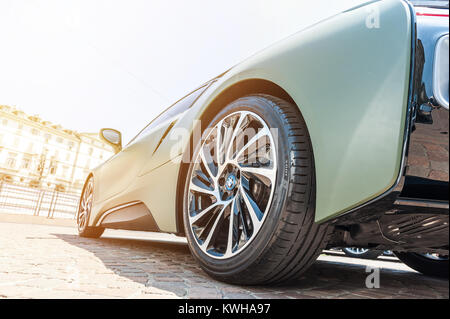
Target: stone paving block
x=178 y=288
x=204 y=293
x=42 y=261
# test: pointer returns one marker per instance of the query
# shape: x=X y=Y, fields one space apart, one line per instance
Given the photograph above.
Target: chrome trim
x=112 y=210
x=421 y=203
x=437 y=91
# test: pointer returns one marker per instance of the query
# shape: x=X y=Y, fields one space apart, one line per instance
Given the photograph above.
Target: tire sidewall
x=427 y=266
x=254 y=250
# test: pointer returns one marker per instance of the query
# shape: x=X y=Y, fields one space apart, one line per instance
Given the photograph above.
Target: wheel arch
x=225 y=97
x=241 y=89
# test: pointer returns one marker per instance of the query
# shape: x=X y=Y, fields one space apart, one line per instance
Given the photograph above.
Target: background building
x=37 y=153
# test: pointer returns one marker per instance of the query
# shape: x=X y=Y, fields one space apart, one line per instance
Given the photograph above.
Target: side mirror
x=112 y=137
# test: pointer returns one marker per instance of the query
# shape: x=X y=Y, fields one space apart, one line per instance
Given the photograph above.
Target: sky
x=110 y=63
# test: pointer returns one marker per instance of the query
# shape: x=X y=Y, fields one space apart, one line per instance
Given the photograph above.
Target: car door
x=119 y=172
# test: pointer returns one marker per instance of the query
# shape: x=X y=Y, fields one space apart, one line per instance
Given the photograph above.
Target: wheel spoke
x=219 y=145
x=83 y=202
x=245 y=231
x=236 y=131
x=202 y=213
x=89 y=199
x=203 y=176
x=268 y=172
x=228 y=132
x=261 y=133
x=206 y=242
x=207 y=161
x=200 y=187
x=82 y=218
x=253 y=209
x=89 y=188
x=233 y=212
x=259 y=155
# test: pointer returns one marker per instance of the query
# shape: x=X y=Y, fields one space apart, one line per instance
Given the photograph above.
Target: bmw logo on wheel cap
x=230 y=182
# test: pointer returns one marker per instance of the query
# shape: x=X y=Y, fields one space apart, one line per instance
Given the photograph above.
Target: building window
x=91 y=150
x=70 y=144
x=5 y=122
x=47 y=137
x=11 y=160
x=59 y=140
x=35 y=131
x=25 y=163
x=53 y=168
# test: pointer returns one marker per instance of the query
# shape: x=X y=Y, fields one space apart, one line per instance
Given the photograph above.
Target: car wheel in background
x=428 y=264
x=84 y=211
x=249 y=194
x=364 y=253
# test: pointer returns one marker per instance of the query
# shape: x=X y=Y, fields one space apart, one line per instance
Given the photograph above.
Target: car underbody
x=403 y=232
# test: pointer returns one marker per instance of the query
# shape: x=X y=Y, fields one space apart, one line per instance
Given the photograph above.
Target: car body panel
x=426 y=175
x=349 y=79
x=158 y=197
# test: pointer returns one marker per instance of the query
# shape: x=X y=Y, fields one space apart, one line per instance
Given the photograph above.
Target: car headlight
x=440 y=72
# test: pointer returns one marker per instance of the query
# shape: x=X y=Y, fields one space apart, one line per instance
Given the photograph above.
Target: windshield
x=430 y=3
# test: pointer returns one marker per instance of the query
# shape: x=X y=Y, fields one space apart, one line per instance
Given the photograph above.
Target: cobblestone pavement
x=41 y=261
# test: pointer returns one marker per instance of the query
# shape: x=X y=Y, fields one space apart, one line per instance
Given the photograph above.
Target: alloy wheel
x=85 y=205
x=357 y=250
x=435 y=256
x=232 y=184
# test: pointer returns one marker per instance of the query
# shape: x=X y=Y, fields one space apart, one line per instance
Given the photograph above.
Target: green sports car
x=336 y=136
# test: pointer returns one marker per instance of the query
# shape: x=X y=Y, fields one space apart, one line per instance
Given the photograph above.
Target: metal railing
x=22 y=199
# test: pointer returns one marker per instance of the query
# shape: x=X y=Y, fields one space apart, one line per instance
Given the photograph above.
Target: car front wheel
x=249 y=195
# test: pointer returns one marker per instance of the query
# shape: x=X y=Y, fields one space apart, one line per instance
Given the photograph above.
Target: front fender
x=349 y=76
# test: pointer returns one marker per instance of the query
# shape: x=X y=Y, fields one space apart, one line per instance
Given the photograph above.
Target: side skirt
x=131 y=216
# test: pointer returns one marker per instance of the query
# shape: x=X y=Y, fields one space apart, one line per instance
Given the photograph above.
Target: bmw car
x=336 y=136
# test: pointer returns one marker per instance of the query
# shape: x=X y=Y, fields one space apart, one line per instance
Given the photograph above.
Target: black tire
x=92 y=232
x=425 y=265
x=83 y=229
x=368 y=254
x=289 y=240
